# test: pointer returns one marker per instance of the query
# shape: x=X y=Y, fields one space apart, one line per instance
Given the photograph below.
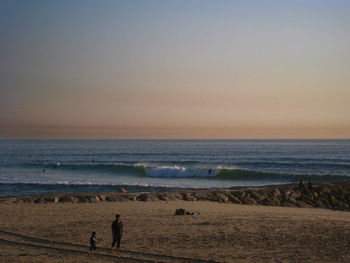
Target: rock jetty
x=330 y=196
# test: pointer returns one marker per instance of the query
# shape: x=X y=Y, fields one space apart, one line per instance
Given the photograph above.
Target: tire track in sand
x=15 y=239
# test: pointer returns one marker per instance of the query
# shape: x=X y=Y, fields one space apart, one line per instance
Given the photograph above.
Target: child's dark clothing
x=93 y=243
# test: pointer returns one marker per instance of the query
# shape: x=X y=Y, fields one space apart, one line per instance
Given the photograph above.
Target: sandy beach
x=223 y=232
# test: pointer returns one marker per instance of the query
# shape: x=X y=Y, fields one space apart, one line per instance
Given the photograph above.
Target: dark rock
x=51 y=199
x=162 y=197
x=258 y=196
x=239 y=194
x=180 y=211
x=147 y=197
x=132 y=198
x=66 y=199
x=173 y=196
x=289 y=204
x=248 y=200
x=188 y=197
x=347 y=197
x=28 y=199
x=102 y=197
x=234 y=199
x=122 y=190
x=222 y=197
x=204 y=196
x=93 y=199
x=117 y=197
x=290 y=196
x=81 y=199
x=330 y=196
x=39 y=201
x=276 y=193
x=303 y=204
x=273 y=198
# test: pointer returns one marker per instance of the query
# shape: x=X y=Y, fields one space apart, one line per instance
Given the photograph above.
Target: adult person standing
x=117 y=231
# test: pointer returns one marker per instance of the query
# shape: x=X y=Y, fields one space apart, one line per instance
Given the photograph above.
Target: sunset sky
x=174 y=69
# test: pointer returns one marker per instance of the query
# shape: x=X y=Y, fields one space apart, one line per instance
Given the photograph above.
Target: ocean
x=50 y=166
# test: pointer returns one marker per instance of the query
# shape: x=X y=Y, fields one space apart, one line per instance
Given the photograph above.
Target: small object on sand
x=183 y=211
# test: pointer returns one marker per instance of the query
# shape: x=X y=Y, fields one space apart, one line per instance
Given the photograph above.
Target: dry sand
x=222 y=232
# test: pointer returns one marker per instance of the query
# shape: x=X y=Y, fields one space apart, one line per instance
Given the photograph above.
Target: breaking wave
x=177 y=171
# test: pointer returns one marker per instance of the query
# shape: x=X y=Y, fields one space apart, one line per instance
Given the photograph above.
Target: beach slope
x=223 y=232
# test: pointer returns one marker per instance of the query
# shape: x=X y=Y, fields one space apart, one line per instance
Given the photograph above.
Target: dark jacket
x=93 y=240
x=117 y=227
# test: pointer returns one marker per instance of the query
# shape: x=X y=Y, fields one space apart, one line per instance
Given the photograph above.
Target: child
x=93 y=241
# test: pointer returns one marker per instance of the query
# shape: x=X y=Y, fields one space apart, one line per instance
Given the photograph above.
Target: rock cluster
x=331 y=196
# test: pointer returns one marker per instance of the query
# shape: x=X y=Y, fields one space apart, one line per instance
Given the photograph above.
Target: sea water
x=46 y=166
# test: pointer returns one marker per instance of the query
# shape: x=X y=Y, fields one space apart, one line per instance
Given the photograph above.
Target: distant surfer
x=43 y=170
x=209 y=171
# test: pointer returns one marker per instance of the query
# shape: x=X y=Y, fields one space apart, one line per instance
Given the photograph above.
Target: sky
x=174 y=69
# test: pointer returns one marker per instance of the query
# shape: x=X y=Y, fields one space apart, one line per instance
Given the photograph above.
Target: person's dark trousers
x=116 y=239
x=93 y=247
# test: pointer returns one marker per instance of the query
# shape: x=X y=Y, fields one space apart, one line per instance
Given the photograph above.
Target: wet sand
x=223 y=232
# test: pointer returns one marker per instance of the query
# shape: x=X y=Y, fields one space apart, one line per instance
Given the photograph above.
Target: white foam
x=141 y=165
x=169 y=171
x=62 y=182
x=219 y=167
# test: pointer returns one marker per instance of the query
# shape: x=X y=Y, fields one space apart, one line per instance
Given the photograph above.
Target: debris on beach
x=183 y=211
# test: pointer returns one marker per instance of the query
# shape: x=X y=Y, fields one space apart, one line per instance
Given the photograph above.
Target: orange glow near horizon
x=179 y=70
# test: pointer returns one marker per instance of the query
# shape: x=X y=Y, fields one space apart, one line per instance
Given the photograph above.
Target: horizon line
x=168 y=139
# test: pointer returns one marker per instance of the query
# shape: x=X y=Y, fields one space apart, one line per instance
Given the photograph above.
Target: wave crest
x=176 y=171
